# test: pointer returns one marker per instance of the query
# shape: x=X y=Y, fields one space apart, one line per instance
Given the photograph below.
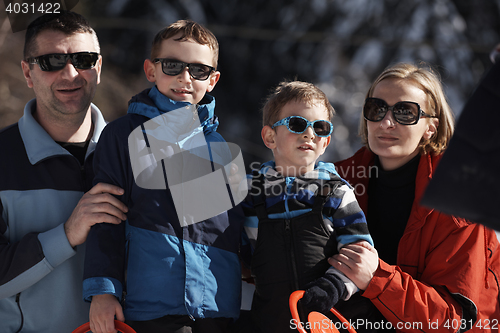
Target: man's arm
x=27 y=261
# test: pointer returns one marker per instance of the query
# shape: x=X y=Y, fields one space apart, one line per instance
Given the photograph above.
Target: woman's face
x=396 y=144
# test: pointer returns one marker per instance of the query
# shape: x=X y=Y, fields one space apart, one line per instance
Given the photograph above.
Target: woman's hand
x=358 y=261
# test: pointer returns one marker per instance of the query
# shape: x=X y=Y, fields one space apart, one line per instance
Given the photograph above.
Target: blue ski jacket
x=166 y=267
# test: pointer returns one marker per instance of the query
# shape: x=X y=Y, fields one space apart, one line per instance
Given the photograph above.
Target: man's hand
x=98 y=205
x=103 y=309
x=358 y=261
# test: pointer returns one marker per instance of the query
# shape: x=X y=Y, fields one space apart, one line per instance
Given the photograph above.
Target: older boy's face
x=296 y=154
x=182 y=87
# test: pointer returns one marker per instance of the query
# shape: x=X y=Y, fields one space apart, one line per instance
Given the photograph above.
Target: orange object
x=120 y=327
x=318 y=322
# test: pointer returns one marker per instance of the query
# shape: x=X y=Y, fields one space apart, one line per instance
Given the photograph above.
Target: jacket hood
x=152 y=103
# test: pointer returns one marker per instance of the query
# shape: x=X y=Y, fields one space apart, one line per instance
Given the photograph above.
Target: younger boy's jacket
x=170 y=269
x=294 y=224
x=448 y=269
x=40 y=185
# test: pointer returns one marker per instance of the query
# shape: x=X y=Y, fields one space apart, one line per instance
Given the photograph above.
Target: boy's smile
x=182 y=87
x=296 y=154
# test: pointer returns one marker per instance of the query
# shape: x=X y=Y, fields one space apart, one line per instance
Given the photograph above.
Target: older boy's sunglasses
x=405 y=113
x=298 y=125
x=57 y=61
x=173 y=67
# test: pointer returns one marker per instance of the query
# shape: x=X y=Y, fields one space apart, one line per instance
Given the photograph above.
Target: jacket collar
x=152 y=103
x=426 y=167
x=40 y=145
x=322 y=170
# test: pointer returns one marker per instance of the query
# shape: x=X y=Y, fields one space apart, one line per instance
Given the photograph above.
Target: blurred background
x=339 y=45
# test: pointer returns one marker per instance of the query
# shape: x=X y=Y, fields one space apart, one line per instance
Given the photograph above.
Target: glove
x=323 y=293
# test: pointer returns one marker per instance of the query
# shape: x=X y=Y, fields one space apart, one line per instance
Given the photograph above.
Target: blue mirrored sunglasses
x=298 y=125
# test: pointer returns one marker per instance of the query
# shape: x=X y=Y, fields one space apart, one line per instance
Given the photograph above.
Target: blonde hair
x=429 y=82
x=293 y=91
x=189 y=30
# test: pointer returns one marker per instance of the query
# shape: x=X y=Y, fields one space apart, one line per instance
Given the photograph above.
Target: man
x=45 y=169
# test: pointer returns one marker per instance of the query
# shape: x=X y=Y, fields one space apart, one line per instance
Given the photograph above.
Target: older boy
x=174 y=269
x=302 y=209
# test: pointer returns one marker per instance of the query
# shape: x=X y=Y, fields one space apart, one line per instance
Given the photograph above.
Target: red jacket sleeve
x=446 y=282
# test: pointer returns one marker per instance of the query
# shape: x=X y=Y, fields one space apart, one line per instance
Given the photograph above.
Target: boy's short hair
x=293 y=91
x=189 y=30
x=66 y=21
x=429 y=81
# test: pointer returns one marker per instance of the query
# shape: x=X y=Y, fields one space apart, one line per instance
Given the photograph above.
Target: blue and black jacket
x=293 y=225
x=171 y=269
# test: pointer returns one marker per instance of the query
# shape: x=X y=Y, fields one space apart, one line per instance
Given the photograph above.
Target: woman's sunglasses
x=298 y=125
x=405 y=113
x=173 y=67
x=57 y=61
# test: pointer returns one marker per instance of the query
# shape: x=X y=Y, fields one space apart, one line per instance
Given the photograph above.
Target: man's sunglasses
x=57 y=61
x=298 y=125
x=173 y=67
x=405 y=113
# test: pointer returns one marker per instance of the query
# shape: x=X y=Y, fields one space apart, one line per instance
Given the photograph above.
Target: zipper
x=18 y=296
x=195 y=114
x=289 y=238
x=190 y=315
x=289 y=235
x=125 y=273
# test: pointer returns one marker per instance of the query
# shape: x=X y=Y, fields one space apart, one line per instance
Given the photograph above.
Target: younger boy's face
x=296 y=154
x=182 y=87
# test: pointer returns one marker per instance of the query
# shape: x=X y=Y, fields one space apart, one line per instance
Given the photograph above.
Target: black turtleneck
x=77 y=149
x=390 y=198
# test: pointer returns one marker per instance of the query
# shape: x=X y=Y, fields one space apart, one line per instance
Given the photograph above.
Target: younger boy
x=172 y=270
x=302 y=209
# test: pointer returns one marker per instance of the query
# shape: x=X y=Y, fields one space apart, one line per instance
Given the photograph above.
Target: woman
x=436 y=272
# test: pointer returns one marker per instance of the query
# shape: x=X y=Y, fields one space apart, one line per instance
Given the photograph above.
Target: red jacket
x=438 y=255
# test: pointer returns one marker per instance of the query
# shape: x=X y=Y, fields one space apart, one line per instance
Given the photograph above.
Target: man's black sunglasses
x=405 y=113
x=57 y=61
x=173 y=67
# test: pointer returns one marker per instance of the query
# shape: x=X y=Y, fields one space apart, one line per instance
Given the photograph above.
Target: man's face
x=67 y=92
